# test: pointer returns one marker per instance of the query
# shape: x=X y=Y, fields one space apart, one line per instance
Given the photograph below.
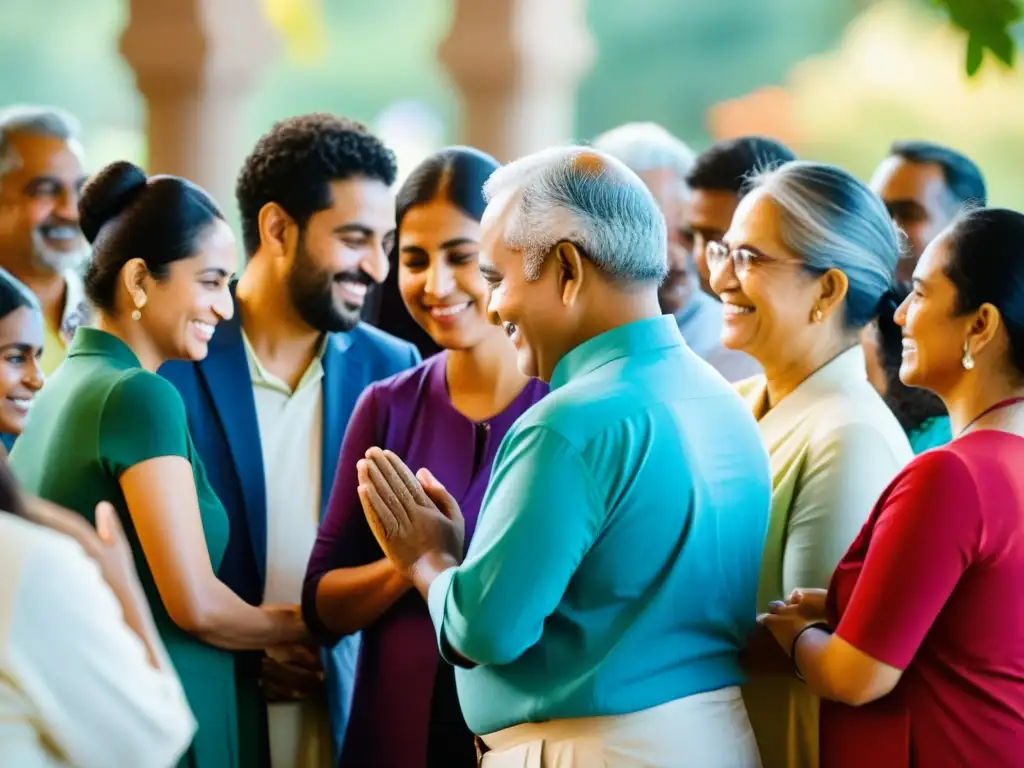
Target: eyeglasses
x=717 y=254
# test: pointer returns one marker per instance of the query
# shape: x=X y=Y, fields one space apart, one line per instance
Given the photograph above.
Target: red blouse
x=934 y=585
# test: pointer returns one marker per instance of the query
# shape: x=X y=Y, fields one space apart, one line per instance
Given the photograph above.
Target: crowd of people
x=617 y=454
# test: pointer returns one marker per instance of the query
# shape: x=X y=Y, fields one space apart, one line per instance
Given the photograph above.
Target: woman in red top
x=917 y=648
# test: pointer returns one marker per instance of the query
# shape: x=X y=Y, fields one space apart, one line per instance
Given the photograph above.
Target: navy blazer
x=221 y=409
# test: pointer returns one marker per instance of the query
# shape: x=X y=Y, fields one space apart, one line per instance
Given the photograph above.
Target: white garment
x=291 y=435
x=76 y=686
x=706 y=730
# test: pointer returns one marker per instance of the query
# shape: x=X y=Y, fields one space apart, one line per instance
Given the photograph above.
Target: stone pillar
x=516 y=65
x=194 y=63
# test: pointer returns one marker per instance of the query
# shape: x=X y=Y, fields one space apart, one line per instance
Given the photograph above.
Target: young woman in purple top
x=448 y=414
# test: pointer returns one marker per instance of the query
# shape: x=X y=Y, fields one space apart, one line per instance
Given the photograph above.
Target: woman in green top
x=920 y=412
x=107 y=427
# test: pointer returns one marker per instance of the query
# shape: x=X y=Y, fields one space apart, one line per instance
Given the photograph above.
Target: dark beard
x=311 y=290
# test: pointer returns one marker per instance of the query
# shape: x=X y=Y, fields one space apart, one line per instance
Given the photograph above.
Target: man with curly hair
x=268 y=407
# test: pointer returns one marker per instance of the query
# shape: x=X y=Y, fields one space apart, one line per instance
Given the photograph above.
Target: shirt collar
x=260 y=375
x=94 y=342
x=630 y=339
x=76 y=307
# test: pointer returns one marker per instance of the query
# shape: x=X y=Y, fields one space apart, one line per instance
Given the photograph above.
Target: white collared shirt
x=291 y=436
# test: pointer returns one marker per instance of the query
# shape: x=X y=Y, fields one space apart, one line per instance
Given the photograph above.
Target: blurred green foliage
x=988 y=25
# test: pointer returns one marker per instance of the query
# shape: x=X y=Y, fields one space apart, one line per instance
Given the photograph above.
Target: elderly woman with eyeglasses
x=805 y=265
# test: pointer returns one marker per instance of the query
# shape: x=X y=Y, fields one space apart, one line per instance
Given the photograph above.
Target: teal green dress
x=931 y=434
x=98 y=416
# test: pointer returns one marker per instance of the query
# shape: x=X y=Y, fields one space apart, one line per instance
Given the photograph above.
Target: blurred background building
x=186 y=86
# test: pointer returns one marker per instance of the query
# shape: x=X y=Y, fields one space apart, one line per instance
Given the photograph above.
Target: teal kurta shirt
x=615 y=564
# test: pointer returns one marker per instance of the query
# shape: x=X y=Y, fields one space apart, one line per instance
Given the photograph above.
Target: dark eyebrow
x=414 y=249
x=490 y=273
x=455 y=242
x=18 y=347
x=903 y=205
x=34 y=183
x=217 y=271
x=354 y=228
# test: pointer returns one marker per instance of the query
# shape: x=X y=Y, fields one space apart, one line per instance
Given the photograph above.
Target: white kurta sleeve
x=98 y=699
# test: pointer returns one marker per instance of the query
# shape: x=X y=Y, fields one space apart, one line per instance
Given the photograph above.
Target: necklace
x=1010 y=401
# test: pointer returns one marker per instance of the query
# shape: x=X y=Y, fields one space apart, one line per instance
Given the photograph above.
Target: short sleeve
x=94 y=692
x=517 y=538
x=143 y=418
x=345 y=539
x=847 y=470
x=927 y=533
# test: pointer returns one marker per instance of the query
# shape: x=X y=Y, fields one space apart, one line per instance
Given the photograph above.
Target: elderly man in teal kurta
x=600 y=611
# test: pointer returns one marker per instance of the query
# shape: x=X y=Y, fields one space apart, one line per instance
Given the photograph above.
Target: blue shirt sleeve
x=541 y=514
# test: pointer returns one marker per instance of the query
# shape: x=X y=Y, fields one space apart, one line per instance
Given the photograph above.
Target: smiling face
x=532 y=312
x=39 y=205
x=339 y=253
x=933 y=333
x=182 y=310
x=439 y=274
x=21 y=347
x=768 y=307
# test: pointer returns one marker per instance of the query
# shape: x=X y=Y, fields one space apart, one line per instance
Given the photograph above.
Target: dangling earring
x=139 y=304
x=967 y=361
x=818 y=315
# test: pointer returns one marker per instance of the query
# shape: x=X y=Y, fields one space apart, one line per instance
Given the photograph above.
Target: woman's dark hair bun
x=107 y=194
x=890 y=301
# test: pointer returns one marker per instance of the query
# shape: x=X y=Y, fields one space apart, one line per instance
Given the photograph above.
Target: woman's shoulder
x=137 y=390
x=25 y=546
x=857 y=409
x=411 y=380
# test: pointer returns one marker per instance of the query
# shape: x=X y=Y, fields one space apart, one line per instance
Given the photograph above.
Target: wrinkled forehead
x=33 y=154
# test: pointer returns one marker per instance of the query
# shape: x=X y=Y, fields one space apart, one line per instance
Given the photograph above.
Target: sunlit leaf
x=975 y=54
x=987 y=24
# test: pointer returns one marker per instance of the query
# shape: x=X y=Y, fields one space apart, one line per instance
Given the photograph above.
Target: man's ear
x=273 y=222
x=569 y=261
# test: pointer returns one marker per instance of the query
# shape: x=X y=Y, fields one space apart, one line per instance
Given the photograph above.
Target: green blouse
x=98 y=416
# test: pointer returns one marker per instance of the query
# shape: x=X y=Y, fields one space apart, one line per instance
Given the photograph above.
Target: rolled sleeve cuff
x=437 y=601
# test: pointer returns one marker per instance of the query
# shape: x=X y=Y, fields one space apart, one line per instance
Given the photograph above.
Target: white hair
x=833 y=221
x=647 y=147
x=579 y=195
x=35 y=120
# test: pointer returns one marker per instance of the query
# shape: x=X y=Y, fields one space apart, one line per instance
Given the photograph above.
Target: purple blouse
x=404 y=705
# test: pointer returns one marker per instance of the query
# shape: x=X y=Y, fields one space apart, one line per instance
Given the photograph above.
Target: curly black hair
x=295 y=162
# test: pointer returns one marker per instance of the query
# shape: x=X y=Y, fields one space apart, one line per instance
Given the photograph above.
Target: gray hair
x=35 y=120
x=590 y=199
x=833 y=221
x=644 y=147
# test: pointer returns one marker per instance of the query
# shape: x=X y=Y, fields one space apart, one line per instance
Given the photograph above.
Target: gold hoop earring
x=967 y=361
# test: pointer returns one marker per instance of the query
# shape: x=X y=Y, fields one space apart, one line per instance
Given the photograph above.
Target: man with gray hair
x=41 y=172
x=599 y=614
x=662 y=162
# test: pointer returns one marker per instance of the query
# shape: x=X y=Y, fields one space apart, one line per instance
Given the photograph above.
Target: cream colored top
x=291 y=436
x=76 y=314
x=834 y=447
x=76 y=686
